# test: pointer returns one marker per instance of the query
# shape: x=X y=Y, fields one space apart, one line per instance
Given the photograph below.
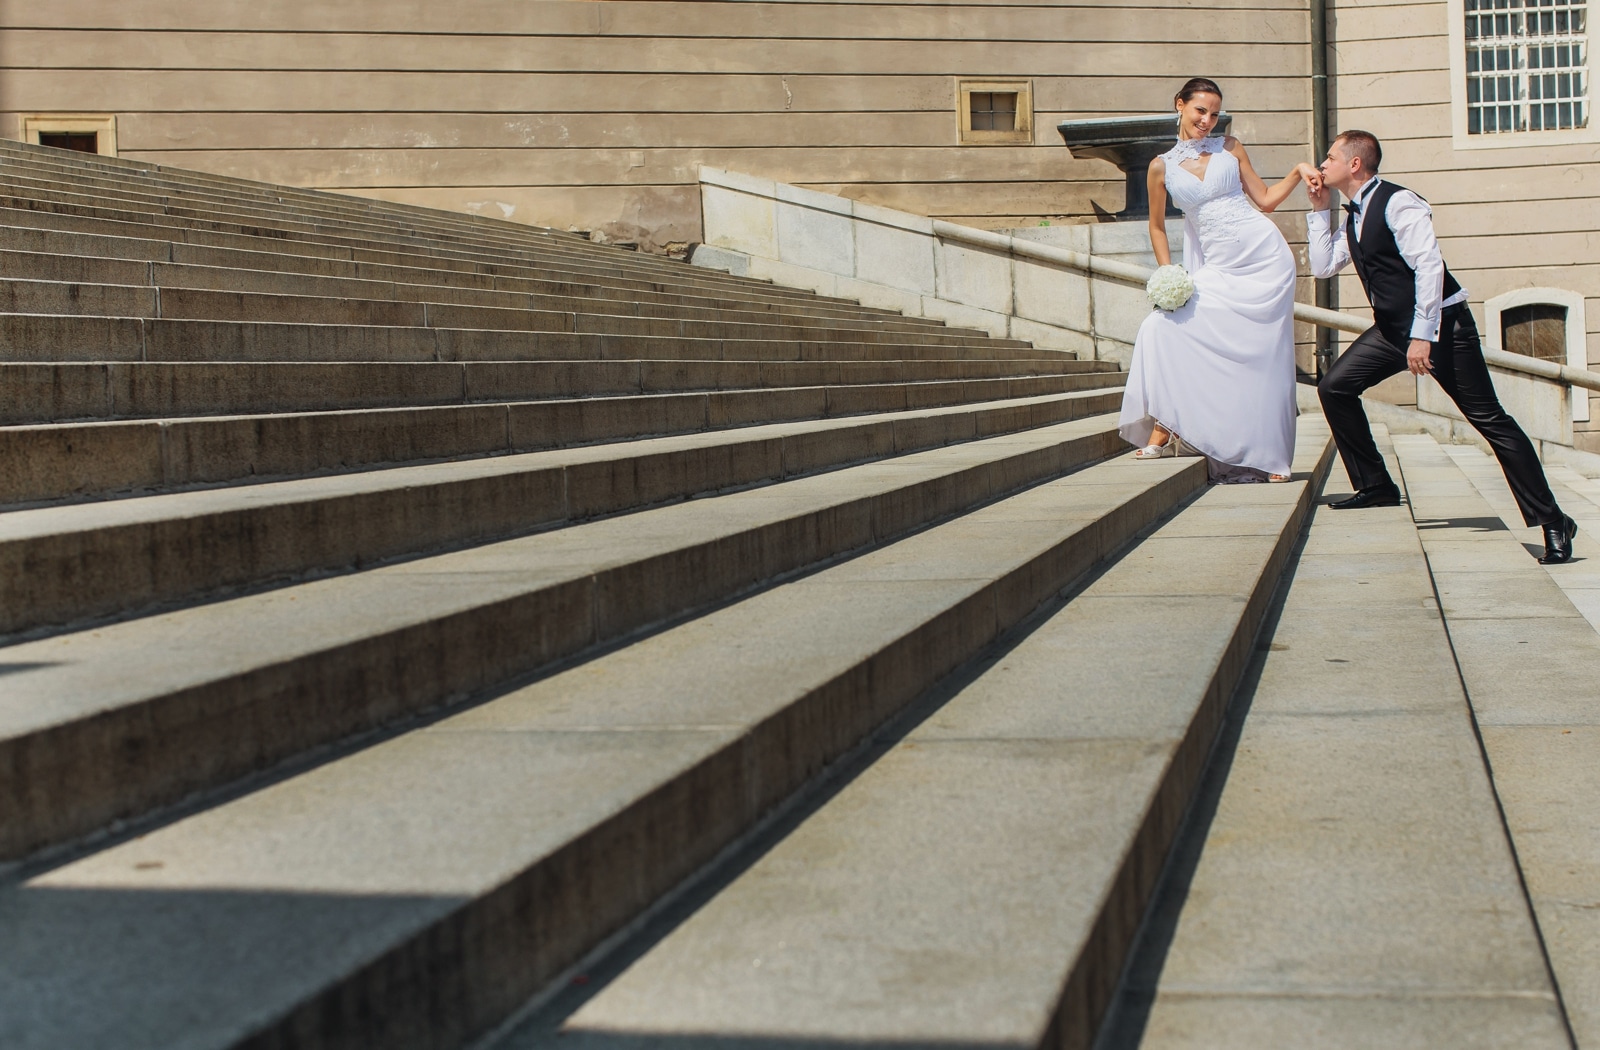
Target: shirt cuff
x=1424 y=329
x=1320 y=216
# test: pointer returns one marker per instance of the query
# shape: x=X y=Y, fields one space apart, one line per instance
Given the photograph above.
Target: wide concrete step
x=162 y=202
x=979 y=883
x=415 y=892
x=415 y=286
x=419 y=223
x=184 y=240
x=64 y=564
x=1580 y=579
x=1588 y=489
x=1530 y=661
x=536 y=314
x=174 y=192
x=290 y=258
x=1349 y=881
x=594 y=260
x=166 y=197
x=575 y=261
x=75 y=461
x=48 y=393
x=108 y=723
x=90 y=212
x=55 y=337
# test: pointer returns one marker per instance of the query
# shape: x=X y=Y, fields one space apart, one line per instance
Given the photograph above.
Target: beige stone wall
x=1508 y=217
x=593 y=113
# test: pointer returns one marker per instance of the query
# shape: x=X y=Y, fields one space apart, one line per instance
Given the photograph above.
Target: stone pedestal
x=1130 y=143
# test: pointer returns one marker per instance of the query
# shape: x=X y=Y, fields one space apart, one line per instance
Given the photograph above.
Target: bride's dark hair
x=1197 y=86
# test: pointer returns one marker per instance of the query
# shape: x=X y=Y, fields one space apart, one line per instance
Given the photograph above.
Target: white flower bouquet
x=1169 y=287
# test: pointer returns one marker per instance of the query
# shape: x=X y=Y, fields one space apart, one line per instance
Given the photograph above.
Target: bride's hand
x=1317 y=193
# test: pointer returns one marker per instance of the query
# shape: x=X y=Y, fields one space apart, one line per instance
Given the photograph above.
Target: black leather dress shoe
x=1558 y=541
x=1377 y=496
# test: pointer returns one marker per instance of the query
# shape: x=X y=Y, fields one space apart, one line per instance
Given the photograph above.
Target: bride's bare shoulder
x=1159 y=165
x=1232 y=145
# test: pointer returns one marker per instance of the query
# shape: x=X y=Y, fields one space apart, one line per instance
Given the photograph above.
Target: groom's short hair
x=1363 y=144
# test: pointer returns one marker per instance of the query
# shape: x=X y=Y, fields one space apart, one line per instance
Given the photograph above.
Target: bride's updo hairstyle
x=1197 y=86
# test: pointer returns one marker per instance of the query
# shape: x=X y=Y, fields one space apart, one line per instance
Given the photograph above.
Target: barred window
x=1527 y=65
x=994 y=110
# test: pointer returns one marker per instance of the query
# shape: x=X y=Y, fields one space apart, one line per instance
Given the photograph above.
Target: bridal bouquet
x=1169 y=287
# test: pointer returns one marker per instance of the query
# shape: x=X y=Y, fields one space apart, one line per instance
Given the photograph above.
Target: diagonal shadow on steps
x=102 y=966
x=27 y=665
x=1474 y=524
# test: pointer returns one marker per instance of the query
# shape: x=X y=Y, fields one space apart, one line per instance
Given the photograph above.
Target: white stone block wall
x=892 y=260
x=1541 y=407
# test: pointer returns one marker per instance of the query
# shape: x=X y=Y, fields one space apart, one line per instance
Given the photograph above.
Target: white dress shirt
x=1412 y=223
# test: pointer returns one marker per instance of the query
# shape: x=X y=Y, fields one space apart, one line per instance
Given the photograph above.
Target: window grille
x=1527 y=66
x=994 y=110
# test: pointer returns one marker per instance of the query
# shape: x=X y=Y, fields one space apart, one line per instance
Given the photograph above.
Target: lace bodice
x=1215 y=203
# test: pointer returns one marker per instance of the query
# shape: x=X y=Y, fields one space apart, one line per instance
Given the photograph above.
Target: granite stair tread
x=111 y=721
x=41 y=463
x=53 y=392
x=80 y=561
x=978 y=883
x=1351 y=882
x=416 y=890
x=1529 y=659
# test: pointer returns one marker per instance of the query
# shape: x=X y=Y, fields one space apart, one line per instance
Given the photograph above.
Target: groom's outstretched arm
x=1325 y=245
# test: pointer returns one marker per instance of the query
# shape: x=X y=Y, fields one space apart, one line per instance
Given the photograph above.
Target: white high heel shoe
x=1173 y=444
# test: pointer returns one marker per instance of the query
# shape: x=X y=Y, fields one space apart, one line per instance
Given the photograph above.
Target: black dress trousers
x=1459 y=367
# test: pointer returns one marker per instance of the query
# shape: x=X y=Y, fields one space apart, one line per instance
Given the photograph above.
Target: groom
x=1421 y=324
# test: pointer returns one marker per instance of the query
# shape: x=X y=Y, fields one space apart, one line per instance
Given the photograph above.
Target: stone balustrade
x=895 y=260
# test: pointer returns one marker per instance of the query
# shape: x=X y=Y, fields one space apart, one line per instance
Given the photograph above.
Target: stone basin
x=1130 y=143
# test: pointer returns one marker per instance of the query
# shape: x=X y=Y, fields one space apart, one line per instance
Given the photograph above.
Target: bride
x=1217 y=374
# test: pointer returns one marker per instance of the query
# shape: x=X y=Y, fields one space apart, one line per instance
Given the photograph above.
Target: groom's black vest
x=1390 y=283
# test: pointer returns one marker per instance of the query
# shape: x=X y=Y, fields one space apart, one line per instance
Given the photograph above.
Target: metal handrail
x=1133 y=272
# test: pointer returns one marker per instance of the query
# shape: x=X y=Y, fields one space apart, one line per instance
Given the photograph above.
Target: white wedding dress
x=1219 y=370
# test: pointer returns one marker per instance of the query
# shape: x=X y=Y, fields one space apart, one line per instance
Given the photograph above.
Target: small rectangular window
x=994 y=112
x=79 y=141
x=84 y=132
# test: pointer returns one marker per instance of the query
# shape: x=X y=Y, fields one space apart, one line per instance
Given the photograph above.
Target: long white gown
x=1219 y=370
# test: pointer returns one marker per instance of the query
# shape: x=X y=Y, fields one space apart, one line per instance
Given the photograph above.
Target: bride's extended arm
x=1156 y=183
x=1265 y=197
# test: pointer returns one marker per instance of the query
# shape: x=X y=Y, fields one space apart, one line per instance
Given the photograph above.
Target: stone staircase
x=418 y=630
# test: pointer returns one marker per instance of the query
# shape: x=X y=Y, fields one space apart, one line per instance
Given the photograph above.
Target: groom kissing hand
x=1416 y=304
